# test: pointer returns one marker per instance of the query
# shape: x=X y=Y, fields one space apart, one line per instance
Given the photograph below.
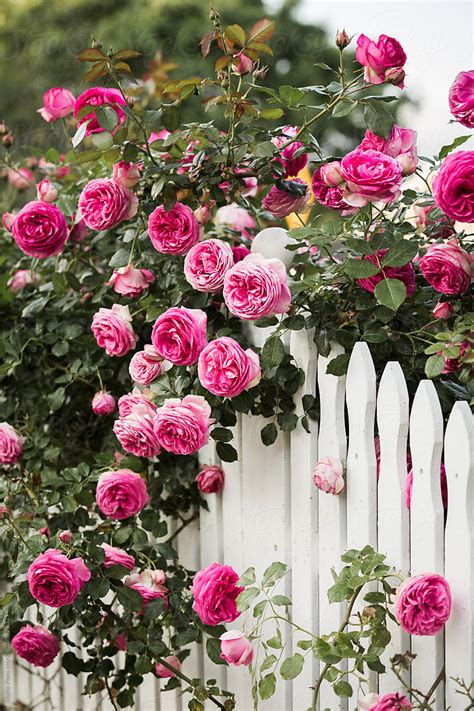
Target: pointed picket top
x=459 y=547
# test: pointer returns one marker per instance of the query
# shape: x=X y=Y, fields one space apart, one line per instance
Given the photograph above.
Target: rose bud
x=395 y=76
x=331 y=173
x=342 y=39
x=242 y=64
x=7 y=220
x=103 y=403
x=328 y=475
x=20 y=178
x=65 y=536
x=203 y=214
x=210 y=479
x=126 y=174
x=165 y=673
x=443 y=309
x=235 y=648
x=8 y=140
x=45 y=532
x=45 y=191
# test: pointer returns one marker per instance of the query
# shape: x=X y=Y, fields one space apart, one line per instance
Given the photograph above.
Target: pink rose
x=256 y=287
x=236 y=648
x=20 y=178
x=179 y=334
x=175 y=231
x=126 y=174
x=11 y=444
x=130 y=281
x=78 y=231
x=165 y=673
x=203 y=214
x=241 y=64
x=378 y=58
x=388 y=702
x=121 y=641
x=370 y=176
x=423 y=604
x=452 y=364
x=36 y=645
x=104 y=204
x=121 y=494
x=443 y=309
x=149 y=583
x=293 y=198
x=57 y=103
x=65 y=536
x=99 y=96
x=401 y=145
x=461 y=98
x=206 y=263
x=103 y=403
x=116 y=556
x=210 y=479
x=113 y=330
x=328 y=475
x=225 y=369
x=182 y=426
x=326 y=192
x=146 y=366
x=331 y=173
x=46 y=191
x=406 y=274
x=135 y=432
x=127 y=402
x=7 y=220
x=56 y=580
x=40 y=230
x=22 y=278
x=236 y=218
x=447 y=267
x=215 y=591
x=367 y=702
x=453 y=186
x=286 y=157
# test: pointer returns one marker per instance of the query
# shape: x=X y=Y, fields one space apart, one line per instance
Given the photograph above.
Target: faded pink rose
x=328 y=475
x=423 y=604
x=40 y=229
x=203 y=214
x=182 y=426
x=150 y=585
x=401 y=145
x=292 y=198
x=257 y=287
x=56 y=580
x=104 y=204
x=236 y=648
x=99 y=96
x=20 y=178
x=103 y=403
x=45 y=191
x=461 y=98
x=236 y=218
x=116 y=556
x=146 y=366
x=174 y=231
x=57 y=103
x=405 y=273
x=215 y=591
x=121 y=494
x=443 y=309
x=206 y=263
x=22 y=278
x=370 y=176
x=241 y=64
x=36 y=645
x=179 y=334
x=113 y=330
x=126 y=174
x=378 y=58
x=327 y=192
x=135 y=432
x=165 y=673
x=210 y=479
x=11 y=444
x=127 y=402
x=225 y=369
x=388 y=702
x=130 y=281
x=287 y=157
x=447 y=267
x=453 y=186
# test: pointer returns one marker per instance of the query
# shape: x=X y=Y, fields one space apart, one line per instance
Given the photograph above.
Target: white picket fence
x=269 y=510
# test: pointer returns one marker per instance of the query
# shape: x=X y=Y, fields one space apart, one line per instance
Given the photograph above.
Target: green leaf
x=344 y=108
x=265 y=149
x=120 y=258
x=342 y=688
x=221 y=434
x=247 y=577
x=269 y=434
x=107 y=117
x=56 y=399
x=226 y=452
x=272 y=353
x=434 y=366
x=171 y=118
x=271 y=114
x=290 y=95
x=378 y=119
x=292 y=666
x=71 y=663
x=236 y=34
x=360 y=268
x=80 y=134
x=400 y=253
x=281 y=600
x=338 y=365
x=268 y=662
x=213 y=649
x=452 y=146
x=143 y=665
x=274 y=572
x=246 y=598
x=130 y=599
x=103 y=141
x=266 y=686
x=391 y=293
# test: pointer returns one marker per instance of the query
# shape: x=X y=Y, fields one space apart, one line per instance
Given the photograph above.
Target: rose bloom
x=225 y=369
x=121 y=641
x=240 y=252
x=378 y=58
x=182 y=426
x=283 y=202
x=65 y=536
x=447 y=267
x=135 y=432
x=175 y=231
x=235 y=218
x=453 y=186
x=165 y=673
x=388 y=702
x=103 y=403
x=328 y=475
x=210 y=479
x=22 y=278
x=370 y=176
x=127 y=402
x=206 y=263
x=215 y=591
x=401 y=145
x=179 y=334
x=423 y=604
x=11 y=444
x=40 y=230
x=20 y=178
x=130 y=281
x=286 y=156
x=329 y=194
x=57 y=103
x=36 y=645
x=256 y=287
x=46 y=191
x=405 y=273
x=78 y=231
x=149 y=583
x=203 y=214
x=116 y=556
x=113 y=330
x=56 y=580
x=443 y=309
x=121 y=494
x=242 y=64
x=126 y=174
x=99 y=96
x=104 y=204
x=461 y=98
x=146 y=366
x=236 y=648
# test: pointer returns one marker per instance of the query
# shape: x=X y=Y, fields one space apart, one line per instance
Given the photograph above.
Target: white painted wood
x=459 y=546
x=393 y=517
x=427 y=523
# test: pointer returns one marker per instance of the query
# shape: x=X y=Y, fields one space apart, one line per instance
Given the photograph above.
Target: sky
x=438 y=38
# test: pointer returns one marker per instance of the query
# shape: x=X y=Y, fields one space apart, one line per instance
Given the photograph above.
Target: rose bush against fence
x=137 y=252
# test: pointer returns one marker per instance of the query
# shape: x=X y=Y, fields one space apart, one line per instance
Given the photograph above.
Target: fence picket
x=459 y=547
x=427 y=523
